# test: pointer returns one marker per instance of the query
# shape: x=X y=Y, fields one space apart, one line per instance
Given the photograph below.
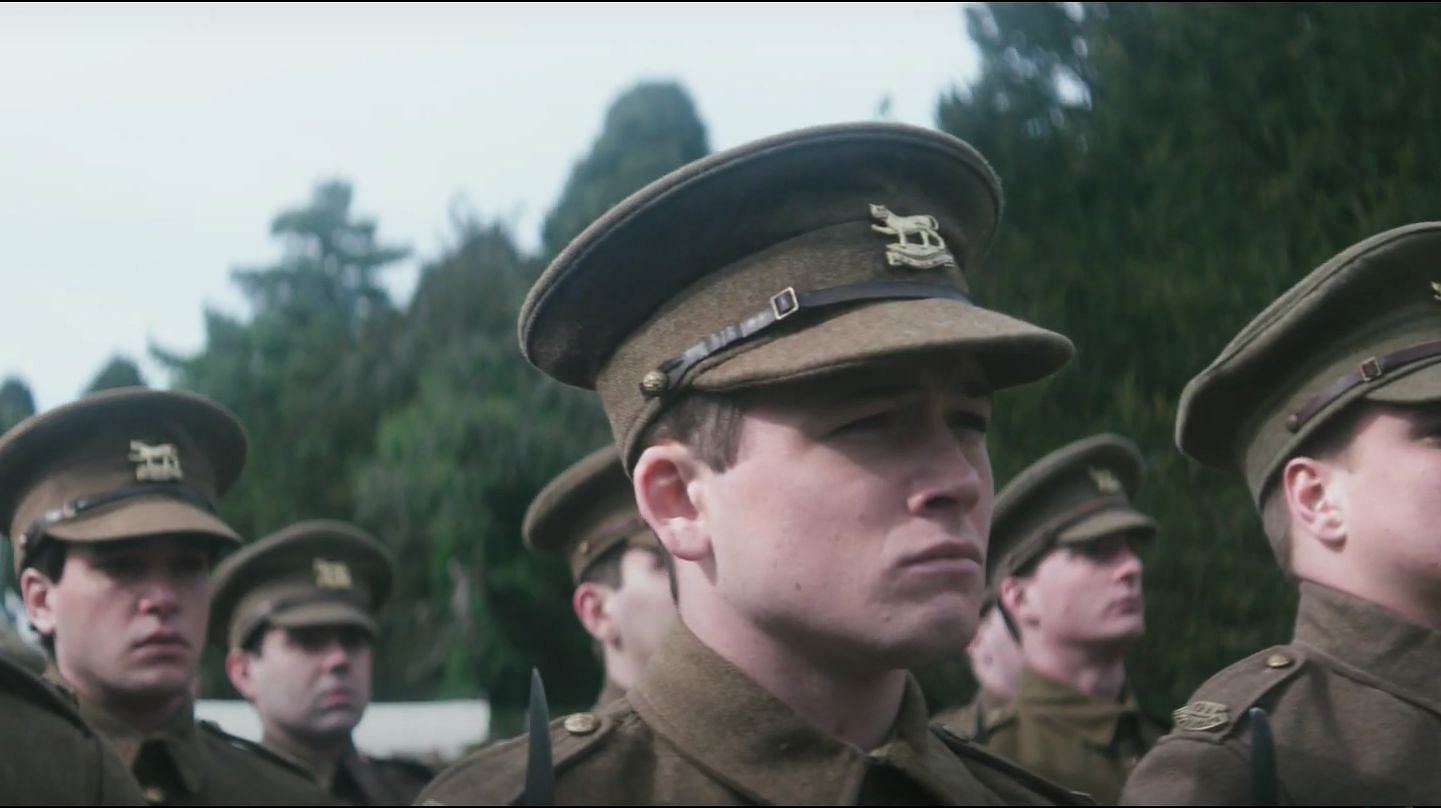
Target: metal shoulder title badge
x=155 y=464
x=919 y=244
x=1201 y=716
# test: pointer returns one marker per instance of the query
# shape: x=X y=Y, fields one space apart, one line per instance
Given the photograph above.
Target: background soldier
x=800 y=387
x=1329 y=405
x=110 y=503
x=995 y=658
x=1070 y=582
x=622 y=597
x=296 y=611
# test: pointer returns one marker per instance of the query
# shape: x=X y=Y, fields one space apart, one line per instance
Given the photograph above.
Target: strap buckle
x=784 y=303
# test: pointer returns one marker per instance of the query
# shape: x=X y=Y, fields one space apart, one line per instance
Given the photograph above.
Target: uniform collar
x=355 y=769
x=608 y=693
x=739 y=733
x=1370 y=644
x=1095 y=720
x=176 y=741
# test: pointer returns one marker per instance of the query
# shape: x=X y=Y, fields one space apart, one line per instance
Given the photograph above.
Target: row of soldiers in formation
x=798 y=509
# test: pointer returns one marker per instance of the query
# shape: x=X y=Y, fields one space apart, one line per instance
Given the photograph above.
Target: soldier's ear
x=589 y=602
x=1015 y=597
x=1315 y=498
x=239 y=668
x=670 y=494
x=38 y=593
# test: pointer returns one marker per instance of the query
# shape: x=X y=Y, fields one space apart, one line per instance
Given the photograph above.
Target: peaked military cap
x=316 y=573
x=1078 y=493
x=585 y=511
x=780 y=260
x=1364 y=325
x=119 y=464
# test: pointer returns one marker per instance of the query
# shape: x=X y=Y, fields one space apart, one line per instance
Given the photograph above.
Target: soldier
x=799 y=386
x=1070 y=583
x=996 y=662
x=295 y=612
x=622 y=595
x=110 y=506
x=50 y=756
x=1329 y=405
x=296 y=615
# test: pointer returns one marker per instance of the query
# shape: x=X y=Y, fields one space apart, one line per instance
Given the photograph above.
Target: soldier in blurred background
x=1069 y=581
x=622 y=596
x=995 y=658
x=296 y=613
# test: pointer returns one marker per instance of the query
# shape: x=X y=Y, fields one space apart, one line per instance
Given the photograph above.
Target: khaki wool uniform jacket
x=196 y=763
x=48 y=755
x=974 y=720
x=1354 y=705
x=363 y=780
x=696 y=730
x=1070 y=738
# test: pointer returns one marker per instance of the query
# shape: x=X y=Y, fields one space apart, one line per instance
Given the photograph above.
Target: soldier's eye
x=867 y=423
x=968 y=422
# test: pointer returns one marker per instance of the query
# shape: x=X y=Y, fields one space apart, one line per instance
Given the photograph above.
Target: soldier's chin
x=155 y=681
x=934 y=637
x=335 y=721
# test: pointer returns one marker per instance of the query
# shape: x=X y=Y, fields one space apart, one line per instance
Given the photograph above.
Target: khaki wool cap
x=1078 y=493
x=1364 y=325
x=585 y=511
x=320 y=572
x=119 y=464
x=780 y=260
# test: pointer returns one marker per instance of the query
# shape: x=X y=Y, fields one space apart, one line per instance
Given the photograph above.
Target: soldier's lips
x=162 y=641
x=337 y=697
x=948 y=557
x=1130 y=604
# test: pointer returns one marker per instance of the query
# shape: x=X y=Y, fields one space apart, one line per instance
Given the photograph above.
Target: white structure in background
x=426 y=730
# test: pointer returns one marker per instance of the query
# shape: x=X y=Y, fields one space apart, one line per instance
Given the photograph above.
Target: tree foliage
x=120 y=371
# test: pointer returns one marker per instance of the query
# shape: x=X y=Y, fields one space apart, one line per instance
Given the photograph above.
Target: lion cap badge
x=919 y=244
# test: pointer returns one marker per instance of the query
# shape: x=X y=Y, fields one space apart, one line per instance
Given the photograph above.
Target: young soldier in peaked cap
x=295 y=612
x=110 y=506
x=587 y=517
x=799 y=384
x=1068 y=578
x=1328 y=404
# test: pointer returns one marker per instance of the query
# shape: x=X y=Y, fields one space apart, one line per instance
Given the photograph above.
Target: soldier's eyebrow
x=870 y=390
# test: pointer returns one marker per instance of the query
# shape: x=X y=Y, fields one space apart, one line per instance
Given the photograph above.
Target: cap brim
x=1012 y=351
x=142 y=517
x=1108 y=522
x=323 y=613
x=1420 y=386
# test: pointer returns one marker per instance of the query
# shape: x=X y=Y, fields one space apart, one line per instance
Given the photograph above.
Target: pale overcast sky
x=144 y=149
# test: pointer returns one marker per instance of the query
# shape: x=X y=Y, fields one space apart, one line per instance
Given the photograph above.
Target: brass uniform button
x=581 y=723
x=654 y=383
x=1279 y=661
